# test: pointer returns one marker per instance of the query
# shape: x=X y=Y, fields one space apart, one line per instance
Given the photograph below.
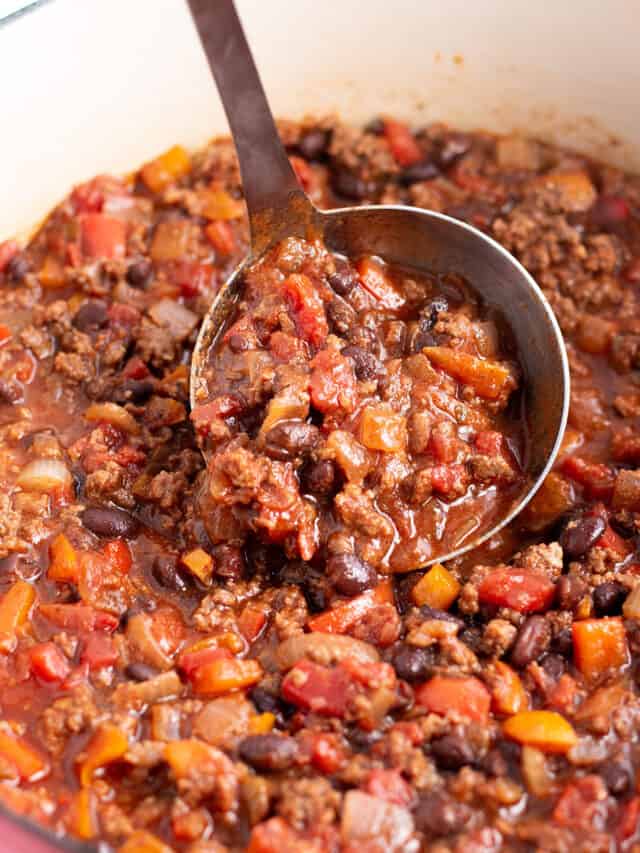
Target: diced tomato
x=99 y=651
x=333 y=383
x=326 y=753
x=376 y=282
x=222 y=407
x=449 y=480
x=370 y=674
x=611 y=541
x=190 y=661
x=48 y=663
x=467 y=697
x=489 y=442
x=118 y=555
x=598 y=480
x=304 y=172
x=628 y=822
x=583 y=805
x=341 y=618
x=563 y=696
x=390 y=786
x=251 y=622
x=321 y=689
x=192 y=277
x=5 y=334
x=123 y=315
x=307 y=307
x=520 y=589
x=222 y=237
x=90 y=196
x=411 y=731
x=78 y=617
x=8 y=250
x=284 y=348
x=405 y=149
x=276 y=836
x=135 y=368
x=102 y=236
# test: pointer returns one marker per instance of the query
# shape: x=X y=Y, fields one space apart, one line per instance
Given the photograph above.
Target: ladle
x=402 y=235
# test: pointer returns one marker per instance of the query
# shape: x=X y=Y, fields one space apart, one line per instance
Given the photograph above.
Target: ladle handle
x=277 y=205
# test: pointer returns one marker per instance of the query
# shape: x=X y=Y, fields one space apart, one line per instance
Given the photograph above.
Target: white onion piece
x=223 y=720
x=112 y=413
x=178 y=319
x=45 y=475
x=365 y=817
x=324 y=649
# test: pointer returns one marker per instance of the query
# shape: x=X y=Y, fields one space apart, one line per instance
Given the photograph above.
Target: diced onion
x=45 y=475
x=179 y=320
x=365 y=817
x=323 y=649
x=113 y=414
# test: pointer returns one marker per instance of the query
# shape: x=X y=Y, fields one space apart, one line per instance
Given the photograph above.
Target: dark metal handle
x=276 y=203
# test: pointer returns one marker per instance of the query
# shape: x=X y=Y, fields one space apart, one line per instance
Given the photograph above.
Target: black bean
x=239 y=343
x=375 y=126
x=313 y=143
x=570 y=590
x=264 y=559
x=229 y=562
x=343 y=280
x=451 y=149
x=18 y=268
x=133 y=391
x=472 y=637
x=608 y=598
x=268 y=752
x=562 y=643
x=316 y=593
x=139 y=272
x=432 y=310
x=412 y=664
x=495 y=764
x=110 y=522
x=616 y=778
x=531 y=642
x=403 y=588
x=140 y=671
x=362 y=741
x=320 y=478
x=452 y=751
x=581 y=534
x=350 y=186
x=341 y=316
x=350 y=575
x=553 y=665
x=165 y=572
x=427 y=612
x=91 y=315
x=367 y=367
x=438 y=815
x=264 y=701
x=424 y=171
x=289 y=439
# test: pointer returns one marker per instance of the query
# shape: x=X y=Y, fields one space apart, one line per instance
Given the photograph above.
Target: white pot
x=90 y=86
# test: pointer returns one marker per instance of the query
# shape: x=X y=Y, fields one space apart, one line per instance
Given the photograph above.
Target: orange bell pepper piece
x=224 y=675
x=219 y=205
x=107 y=744
x=199 y=563
x=438 y=589
x=547 y=731
x=29 y=764
x=63 y=560
x=261 y=724
x=489 y=379
x=599 y=645
x=15 y=607
x=165 y=169
x=82 y=818
x=467 y=697
x=340 y=619
x=382 y=429
x=508 y=695
x=251 y=622
x=144 y=842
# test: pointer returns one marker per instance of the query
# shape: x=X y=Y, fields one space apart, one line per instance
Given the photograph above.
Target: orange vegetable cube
x=251 y=622
x=489 y=379
x=107 y=744
x=200 y=564
x=15 y=607
x=341 y=618
x=82 y=819
x=183 y=756
x=467 y=697
x=165 y=169
x=28 y=763
x=222 y=237
x=224 y=675
x=144 y=842
x=508 y=695
x=261 y=724
x=575 y=190
x=438 y=588
x=547 y=731
x=171 y=240
x=63 y=560
x=599 y=645
x=382 y=429
x=51 y=273
x=219 y=205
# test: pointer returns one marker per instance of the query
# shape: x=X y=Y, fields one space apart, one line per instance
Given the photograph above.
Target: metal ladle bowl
x=406 y=236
